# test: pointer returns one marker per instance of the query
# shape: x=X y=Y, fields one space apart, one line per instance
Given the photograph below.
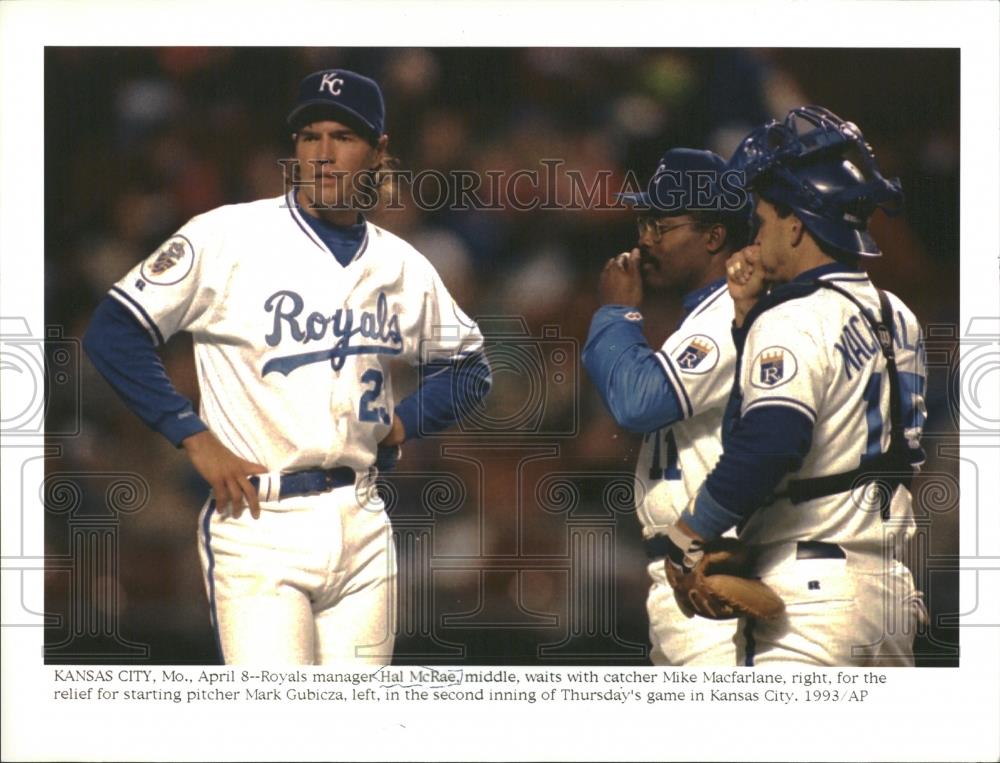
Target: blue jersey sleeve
x=123 y=352
x=447 y=390
x=626 y=372
x=765 y=445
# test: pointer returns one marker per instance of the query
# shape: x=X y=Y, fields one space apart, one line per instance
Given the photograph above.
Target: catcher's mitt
x=717 y=585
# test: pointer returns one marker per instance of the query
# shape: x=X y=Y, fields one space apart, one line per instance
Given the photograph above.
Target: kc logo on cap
x=343 y=96
x=331 y=83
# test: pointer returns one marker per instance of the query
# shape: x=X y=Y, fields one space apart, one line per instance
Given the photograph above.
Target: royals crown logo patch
x=699 y=356
x=773 y=367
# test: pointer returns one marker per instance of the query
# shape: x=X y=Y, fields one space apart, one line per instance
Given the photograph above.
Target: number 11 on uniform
x=664 y=440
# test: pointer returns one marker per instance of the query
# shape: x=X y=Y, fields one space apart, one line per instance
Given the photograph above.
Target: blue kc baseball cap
x=344 y=96
x=685 y=180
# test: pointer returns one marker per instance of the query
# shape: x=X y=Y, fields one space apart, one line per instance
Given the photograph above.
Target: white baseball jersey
x=291 y=347
x=698 y=360
x=818 y=356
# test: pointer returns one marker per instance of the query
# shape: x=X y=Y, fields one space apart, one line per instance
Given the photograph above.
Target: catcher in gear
x=822 y=430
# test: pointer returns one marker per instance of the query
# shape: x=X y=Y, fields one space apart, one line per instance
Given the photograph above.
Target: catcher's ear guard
x=805 y=163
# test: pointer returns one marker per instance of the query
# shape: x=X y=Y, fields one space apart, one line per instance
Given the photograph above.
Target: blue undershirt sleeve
x=122 y=351
x=447 y=390
x=626 y=372
x=765 y=445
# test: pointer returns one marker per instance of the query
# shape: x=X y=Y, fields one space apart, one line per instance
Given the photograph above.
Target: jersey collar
x=830 y=268
x=308 y=227
x=691 y=300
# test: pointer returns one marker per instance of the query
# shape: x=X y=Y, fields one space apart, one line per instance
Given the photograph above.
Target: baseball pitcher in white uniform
x=822 y=433
x=675 y=395
x=296 y=305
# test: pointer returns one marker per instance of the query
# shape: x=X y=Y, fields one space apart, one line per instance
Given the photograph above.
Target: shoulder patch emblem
x=171 y=263
x=773 y=367
x=700 y=354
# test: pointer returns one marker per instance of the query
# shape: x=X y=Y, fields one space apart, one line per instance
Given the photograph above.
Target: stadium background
x=517 y=548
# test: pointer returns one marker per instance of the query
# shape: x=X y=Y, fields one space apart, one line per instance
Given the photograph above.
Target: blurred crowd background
x=139 y=140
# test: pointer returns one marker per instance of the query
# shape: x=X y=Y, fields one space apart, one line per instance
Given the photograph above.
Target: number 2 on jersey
x=365 y=411
x=656 y=468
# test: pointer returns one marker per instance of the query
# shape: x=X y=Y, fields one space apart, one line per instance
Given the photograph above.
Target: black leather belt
x=311 y=481
x=656 y=548
x=815 y=549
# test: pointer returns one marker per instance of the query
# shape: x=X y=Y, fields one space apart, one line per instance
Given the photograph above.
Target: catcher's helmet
x=811 y=172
